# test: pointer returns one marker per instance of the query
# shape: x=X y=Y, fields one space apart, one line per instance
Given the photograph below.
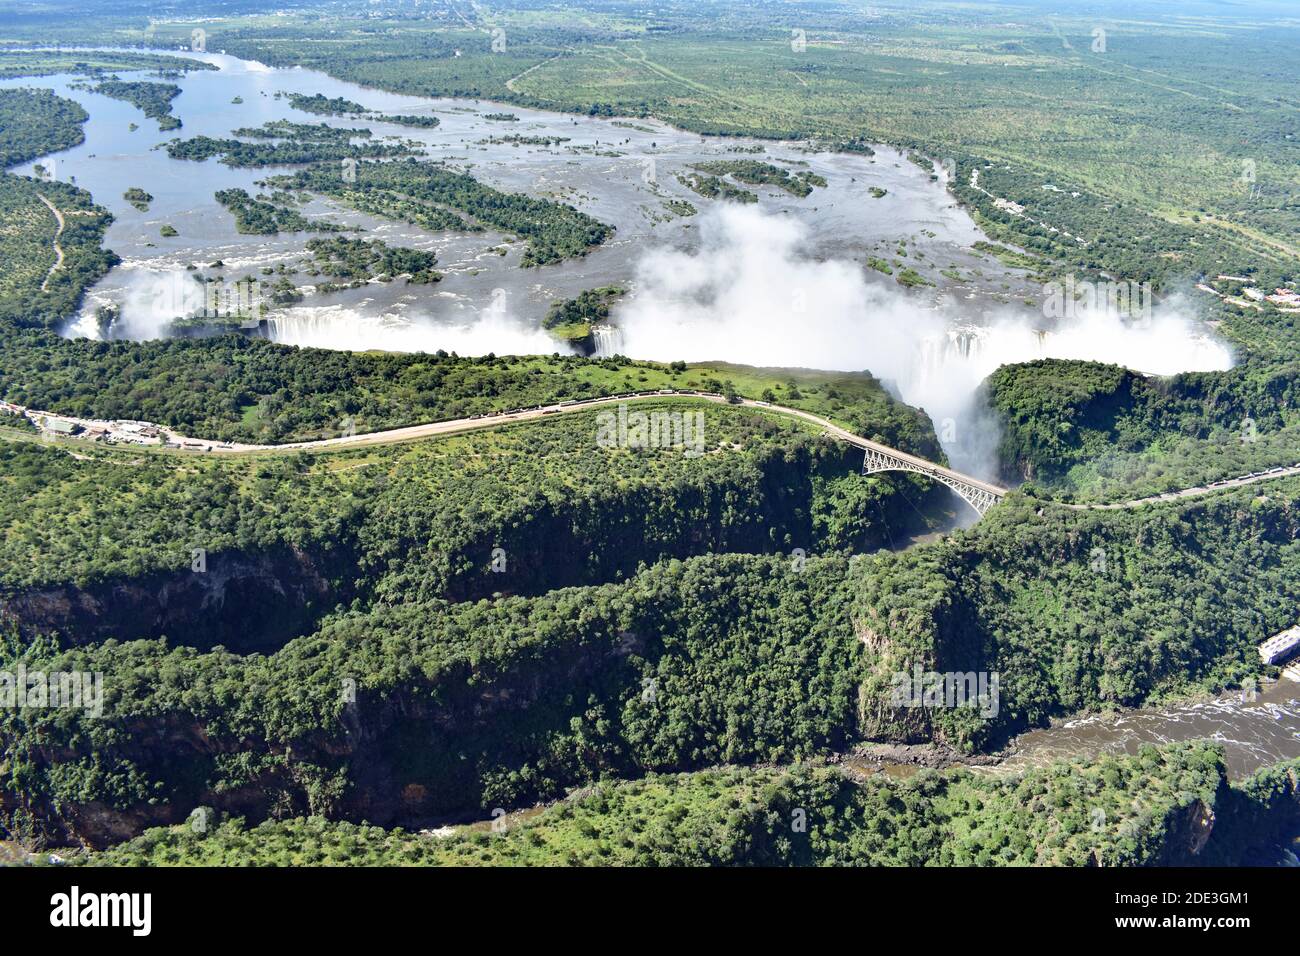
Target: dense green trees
x=36 y=122
x=44 y=61
x=718 y=658
x=420 y=121
x=570 y=320
x=1144 y=809
x=285 y=152
x=714 y=187
x=359 y=261
x=323 y=105
x=1081 y=610
x=286 y=143
x=413 y=520
x=232 y=387
x=465 y=706
x=506 y=701
x=1085 y=426
x=32 y=291
x=1062 y=225
x=756 y=173
x=257 y=216
x=138 y=198
x=590 y=306
x=415 y=191
x=308 y=132
x=152 y=99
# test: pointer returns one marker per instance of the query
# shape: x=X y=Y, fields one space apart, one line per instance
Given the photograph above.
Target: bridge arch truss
x=979 y=497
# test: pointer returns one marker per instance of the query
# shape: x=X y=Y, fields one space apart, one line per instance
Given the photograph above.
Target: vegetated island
x=138 y=198
x=570 y=320
x=152 y=99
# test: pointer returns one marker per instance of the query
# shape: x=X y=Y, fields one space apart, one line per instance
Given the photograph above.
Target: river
x=1255 y=730
x=623 y=172
x=783 y=282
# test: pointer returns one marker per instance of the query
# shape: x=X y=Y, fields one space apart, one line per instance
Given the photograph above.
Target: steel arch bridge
x=980 y=495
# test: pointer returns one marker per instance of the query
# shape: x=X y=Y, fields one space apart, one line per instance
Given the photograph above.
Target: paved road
x=922 y=465
x=489 y=421
x=1224 y=485
x=58 y=249
x=473 y=423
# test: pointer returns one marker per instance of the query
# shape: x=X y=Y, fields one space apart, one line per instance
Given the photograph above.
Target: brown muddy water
x=1255 y=730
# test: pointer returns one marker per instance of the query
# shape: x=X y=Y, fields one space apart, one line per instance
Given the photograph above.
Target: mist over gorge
x=752 y=294
x=751 y=287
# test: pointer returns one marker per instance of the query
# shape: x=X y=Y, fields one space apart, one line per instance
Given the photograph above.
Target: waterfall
x=316 y=327
x=341 y=327
x=609 y=340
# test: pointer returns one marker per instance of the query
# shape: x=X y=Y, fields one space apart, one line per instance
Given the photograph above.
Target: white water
x=752 y=294
x=341 y=327
x=609 y=340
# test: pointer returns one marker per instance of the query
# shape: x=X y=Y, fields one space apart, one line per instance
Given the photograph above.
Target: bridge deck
x=920 y=464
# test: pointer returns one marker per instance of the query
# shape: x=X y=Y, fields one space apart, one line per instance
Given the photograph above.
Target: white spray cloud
x=751 y=294
x=340 y=327
x=147 y=304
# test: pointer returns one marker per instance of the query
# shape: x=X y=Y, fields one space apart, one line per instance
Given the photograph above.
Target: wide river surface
x=622 y=172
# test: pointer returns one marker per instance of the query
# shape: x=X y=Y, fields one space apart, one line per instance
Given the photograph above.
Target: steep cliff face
x=455 y=735
x=416 y=712
x=918 y=633
x=246 y=602
x=1053 y=413
x=253 y=601
x=1254 y=824
x=1189 y=830
x=435 y=748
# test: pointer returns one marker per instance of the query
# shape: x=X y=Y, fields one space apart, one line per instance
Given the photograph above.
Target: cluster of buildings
x=1285 y=299
x=138 y=433
x=1280 y=297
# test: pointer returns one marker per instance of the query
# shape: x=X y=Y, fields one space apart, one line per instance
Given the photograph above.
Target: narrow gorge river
x=1255 y=730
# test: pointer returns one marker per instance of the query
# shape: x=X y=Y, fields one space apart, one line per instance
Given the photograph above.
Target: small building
x=60 y=427
x=1280 y=646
